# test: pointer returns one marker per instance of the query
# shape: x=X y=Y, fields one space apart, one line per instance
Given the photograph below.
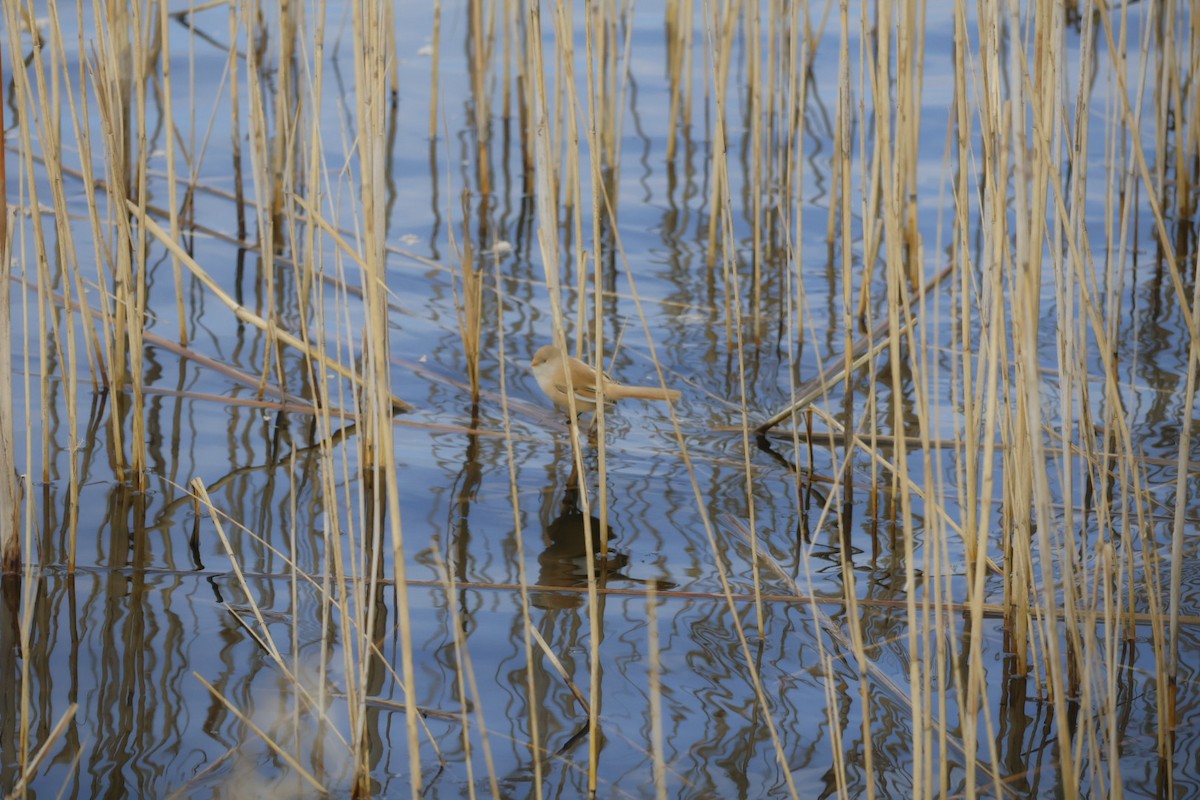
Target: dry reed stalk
x=836 y=725
x=311 y=302
x=1187 y=177
x=289 y=109
x=51 y=334
x=265 y=168
x=795 y=304
x=467 y=685
x=168 y=108
x=842 y=161
x=895 y=154
x=96 y=338
x=1178 y=544
x=377 y=448
x=468 y=304
x=527 y=627
x=261 y=634
x=3 y=166
x=232 y=68
x=722 y=205
x=874 y=81
x=720 y=32
x=654 y=680
x=884 y=184
x=1116 y=242
x=1130 y=120
x=480 y=47
x=310 y=264
x=46 y=338
x=733 y=310
x=10 y=503
x=143 y=54
x=910 y=59
x=979 y=395
x=510 y=24
x=547 y=216
x=1096 y=653
x=679 y=27
x=1017 y=489
x=26 y=586
x=436 y=62
x=556 y=662
x=21 y=786
x=995 y=126
x=602 y=165
x=72 y=282
x=118 y=79
x=604 y=105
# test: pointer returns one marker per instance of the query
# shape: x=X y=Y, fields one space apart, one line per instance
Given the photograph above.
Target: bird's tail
x=619 y=392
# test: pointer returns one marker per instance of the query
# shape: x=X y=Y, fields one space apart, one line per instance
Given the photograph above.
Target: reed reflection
x=10 y=649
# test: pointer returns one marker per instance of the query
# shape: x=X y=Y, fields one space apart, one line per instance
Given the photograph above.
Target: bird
x=551 y=377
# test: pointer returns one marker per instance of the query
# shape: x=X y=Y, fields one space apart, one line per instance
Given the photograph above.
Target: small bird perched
x=549 y=370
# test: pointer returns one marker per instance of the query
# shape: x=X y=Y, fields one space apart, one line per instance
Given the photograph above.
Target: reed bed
x=925 y=447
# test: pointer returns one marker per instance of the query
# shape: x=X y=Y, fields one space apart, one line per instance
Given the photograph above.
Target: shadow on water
x=563 y=559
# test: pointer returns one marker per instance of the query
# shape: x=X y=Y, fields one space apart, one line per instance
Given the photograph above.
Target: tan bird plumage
x=551 y=377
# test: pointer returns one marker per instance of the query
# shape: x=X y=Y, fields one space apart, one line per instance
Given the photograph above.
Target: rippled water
x=155 y=606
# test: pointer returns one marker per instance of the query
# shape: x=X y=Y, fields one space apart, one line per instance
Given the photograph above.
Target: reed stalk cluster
x=965 y=382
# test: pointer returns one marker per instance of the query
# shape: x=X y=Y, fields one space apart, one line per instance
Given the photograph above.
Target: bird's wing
x=586 y=392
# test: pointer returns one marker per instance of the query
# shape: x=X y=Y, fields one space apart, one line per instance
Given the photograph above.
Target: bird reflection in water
x=563 y=561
